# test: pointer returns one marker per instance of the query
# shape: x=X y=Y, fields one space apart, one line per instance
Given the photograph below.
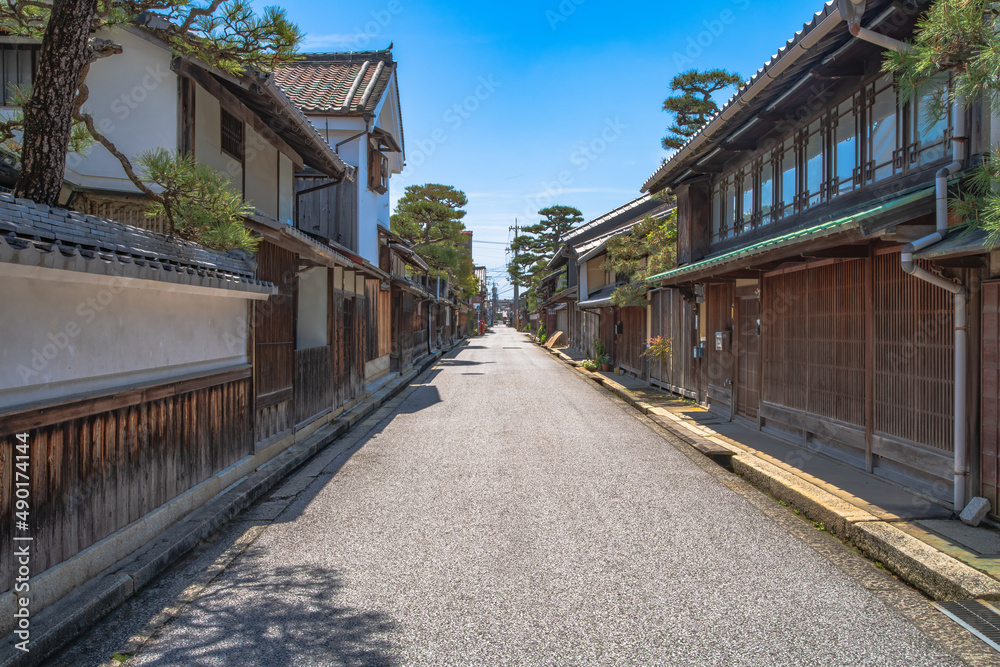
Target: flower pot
x=605 y=367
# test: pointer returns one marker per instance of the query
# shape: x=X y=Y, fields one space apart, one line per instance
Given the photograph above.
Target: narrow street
x=504 y=511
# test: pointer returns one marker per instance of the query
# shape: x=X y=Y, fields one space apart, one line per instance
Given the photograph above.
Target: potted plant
x=605 y=362
x=589 y=365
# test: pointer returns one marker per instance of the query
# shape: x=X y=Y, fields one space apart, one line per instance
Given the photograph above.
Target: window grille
x=232 y=136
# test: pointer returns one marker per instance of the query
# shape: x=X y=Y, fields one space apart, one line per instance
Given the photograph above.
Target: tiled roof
x=36 y=235
x=342 y=84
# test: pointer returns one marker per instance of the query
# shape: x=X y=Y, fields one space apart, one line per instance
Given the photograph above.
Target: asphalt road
x=505 y=511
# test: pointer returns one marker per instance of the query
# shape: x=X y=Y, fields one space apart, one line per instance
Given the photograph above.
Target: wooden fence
x=313 y=382
x=100 y=463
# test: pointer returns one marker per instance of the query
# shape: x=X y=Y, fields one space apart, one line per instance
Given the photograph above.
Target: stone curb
x=937 y=574
x=64 y=620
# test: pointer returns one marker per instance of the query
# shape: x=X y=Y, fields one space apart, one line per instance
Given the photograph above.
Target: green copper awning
x=808 y=234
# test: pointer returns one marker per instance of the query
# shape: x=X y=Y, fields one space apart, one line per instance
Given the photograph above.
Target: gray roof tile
x=98 y=241
x=337 y=83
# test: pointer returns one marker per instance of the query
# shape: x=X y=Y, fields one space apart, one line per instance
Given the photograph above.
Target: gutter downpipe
x=908 y=265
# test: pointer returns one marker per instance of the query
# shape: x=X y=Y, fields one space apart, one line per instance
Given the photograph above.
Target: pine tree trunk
x=48 y=113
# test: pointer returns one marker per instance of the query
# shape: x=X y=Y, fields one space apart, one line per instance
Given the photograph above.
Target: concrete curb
x=937 y=574
x=64 y=620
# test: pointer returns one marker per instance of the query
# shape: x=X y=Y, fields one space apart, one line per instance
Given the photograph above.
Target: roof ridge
x=341 y=56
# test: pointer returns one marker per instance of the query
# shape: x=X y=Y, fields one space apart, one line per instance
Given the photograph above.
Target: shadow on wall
x=256 y=614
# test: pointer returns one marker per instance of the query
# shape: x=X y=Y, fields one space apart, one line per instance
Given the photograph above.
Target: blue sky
x=527 y=104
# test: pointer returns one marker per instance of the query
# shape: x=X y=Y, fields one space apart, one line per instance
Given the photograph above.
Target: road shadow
x=423 y=397
x=462 y=362
x=258 y=614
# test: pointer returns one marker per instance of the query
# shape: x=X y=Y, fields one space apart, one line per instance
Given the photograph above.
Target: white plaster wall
x=373 y=208
x=208 y=137
x=261 y=173
x=134 y=101
x=286 y=189
x=310 y=330
x=62 y=337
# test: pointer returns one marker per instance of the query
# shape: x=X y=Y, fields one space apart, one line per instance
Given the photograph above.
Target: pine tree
x=429 y=218
x=958 y=38
x=694 y=106
x=538 y=243
x=53 y=118
x=649 y=248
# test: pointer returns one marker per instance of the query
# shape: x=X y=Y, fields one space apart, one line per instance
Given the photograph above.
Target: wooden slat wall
x=630 y=344
x=606 y=329
x=748 y=358
x=384 y=323
x=313 y=382
x=673 y=318
x=718 y=365
x=95 y=474
x=914 y=357
x=274 y=344
x=402 y=328
x=990 y=422
x=331 y=212
x=372 y=287
x=813 y=332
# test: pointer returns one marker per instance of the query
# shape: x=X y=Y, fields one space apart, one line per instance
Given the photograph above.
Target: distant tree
x=537 y=245
x=429 y=218
x=648 y=249
x=694 y=106
x=54 y=118
x=957 y=38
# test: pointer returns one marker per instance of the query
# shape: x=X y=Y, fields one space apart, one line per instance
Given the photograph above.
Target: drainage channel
x=977 y=616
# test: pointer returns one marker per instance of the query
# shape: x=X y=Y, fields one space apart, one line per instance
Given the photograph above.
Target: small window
x=18 y=68
x=814 y=166
x=378 y=171
x=882 y=131
x=931 y=120
x=232 y=136
x=845 y=141
x=766 y=190
x=729 y=203
x=746 y=200
x=789 y=184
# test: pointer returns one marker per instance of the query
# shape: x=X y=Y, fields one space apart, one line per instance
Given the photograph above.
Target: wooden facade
x=274 y=345
x=631 y=341
x=100 y=463
x=672 y=317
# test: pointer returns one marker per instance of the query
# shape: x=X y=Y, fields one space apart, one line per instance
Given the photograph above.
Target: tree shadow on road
x=256 y=614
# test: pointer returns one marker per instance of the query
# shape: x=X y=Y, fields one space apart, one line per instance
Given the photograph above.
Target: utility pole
x=517 y=300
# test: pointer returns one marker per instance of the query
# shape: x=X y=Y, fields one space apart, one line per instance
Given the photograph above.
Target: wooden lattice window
x=232 y=136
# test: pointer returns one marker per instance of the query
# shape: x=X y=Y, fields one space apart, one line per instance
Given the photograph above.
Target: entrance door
x=748 y=357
